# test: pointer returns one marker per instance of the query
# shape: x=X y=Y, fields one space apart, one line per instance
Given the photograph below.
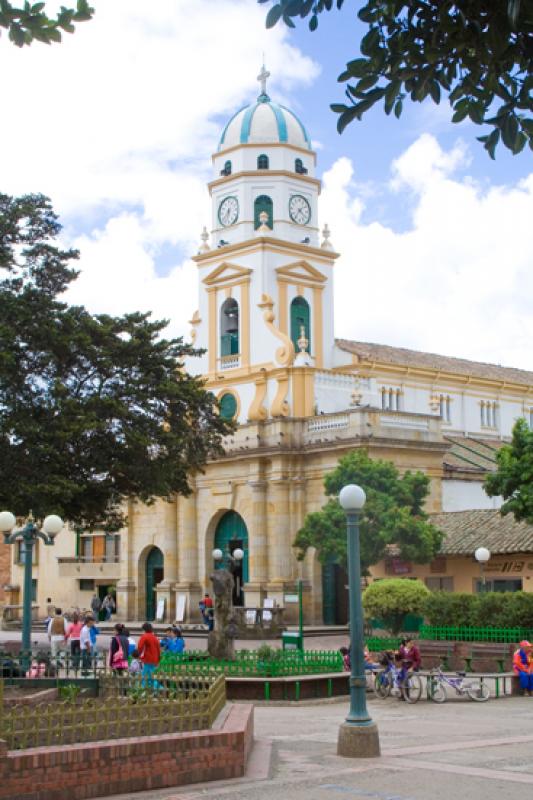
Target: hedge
x=491 y=609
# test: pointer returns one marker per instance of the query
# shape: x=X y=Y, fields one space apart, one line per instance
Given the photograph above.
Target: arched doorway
x=154 y=575
x=231 y=533
x=334 y=593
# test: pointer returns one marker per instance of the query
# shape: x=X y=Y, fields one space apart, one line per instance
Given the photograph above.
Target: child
x=135 y=667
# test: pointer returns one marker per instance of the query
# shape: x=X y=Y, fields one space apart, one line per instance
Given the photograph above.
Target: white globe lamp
x=482 y=555
x=52 y=525
x=7 y=521
x=217 y=554
x=352 y=497
x=238 y=554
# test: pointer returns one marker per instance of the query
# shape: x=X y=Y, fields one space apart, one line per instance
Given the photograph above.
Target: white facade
x=458 y=495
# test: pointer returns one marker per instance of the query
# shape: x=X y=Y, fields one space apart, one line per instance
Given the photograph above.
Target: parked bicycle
x=392 y=679
x=473 y=687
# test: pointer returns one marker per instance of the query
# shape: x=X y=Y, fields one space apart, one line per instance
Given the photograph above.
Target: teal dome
x=264 y=122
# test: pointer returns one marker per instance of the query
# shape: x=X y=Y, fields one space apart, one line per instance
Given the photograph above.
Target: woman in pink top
x=73 y=635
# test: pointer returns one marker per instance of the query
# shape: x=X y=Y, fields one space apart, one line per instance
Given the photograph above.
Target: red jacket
x=149 y=649
x=411 y=656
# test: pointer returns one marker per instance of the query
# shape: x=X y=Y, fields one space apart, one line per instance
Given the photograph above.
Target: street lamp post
x=28 y=535
x=231 y=561
x=358 y=735
x=482 y=555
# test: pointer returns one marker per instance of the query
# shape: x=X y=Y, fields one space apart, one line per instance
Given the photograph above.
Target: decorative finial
x=303 y=341
x=204 y=247
x=262 y=78
x=326 y=233
x=263 y=227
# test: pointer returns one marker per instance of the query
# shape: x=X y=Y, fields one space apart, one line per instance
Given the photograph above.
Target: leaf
x=357 y=68
x=460 y=115
x=520 y=142
x=434 y=90
x=313 y=23
x=369 y=41
x=509 y=131
x=338 y=108
x=398 y=108
x=366 y=83
x=347 y=117
x=273 y=16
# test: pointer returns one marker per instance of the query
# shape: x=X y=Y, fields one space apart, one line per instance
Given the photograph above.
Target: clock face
x=228 y=211
x=299 y=209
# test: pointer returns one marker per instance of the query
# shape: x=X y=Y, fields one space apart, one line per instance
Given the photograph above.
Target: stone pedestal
x=126 y=597
x=358 y=741
x=193 y=593
x=254 y=594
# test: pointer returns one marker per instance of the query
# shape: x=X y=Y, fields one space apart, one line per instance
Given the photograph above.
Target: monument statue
x=220 y=641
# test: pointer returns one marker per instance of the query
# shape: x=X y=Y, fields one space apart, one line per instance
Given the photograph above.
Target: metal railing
x=280 y=663
x=89 y=559
x=474 y=634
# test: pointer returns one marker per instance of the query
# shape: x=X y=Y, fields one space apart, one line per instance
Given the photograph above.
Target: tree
x=30 y=22
x=392 y=599
x=513 y=479
x=93 y=409
x=478 y=52
x=393 y=514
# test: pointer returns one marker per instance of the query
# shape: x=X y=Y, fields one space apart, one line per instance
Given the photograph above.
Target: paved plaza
x=458 y=750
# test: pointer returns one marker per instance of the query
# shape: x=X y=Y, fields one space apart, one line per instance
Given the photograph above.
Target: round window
x=228 y=406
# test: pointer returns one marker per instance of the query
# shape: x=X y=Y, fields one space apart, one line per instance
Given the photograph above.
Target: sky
x=117 y=125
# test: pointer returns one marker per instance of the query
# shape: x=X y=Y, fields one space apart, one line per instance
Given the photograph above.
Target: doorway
x=154 y=575
x=334 y=594
x=231 y=533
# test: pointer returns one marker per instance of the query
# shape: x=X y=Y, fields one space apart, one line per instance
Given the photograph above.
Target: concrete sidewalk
x=476 y=751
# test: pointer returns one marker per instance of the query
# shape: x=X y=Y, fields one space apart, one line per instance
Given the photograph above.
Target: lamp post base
x=358 y=741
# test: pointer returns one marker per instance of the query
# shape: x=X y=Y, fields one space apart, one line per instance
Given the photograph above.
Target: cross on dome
x=262 y=78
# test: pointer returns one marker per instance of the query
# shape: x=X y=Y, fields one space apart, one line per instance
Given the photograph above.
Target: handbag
x=119 y=660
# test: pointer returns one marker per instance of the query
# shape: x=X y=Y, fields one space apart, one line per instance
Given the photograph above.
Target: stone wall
x=120 y=766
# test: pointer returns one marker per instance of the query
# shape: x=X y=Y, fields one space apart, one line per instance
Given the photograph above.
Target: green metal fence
x=280 y=663
x=464 y=634
x=377 y=644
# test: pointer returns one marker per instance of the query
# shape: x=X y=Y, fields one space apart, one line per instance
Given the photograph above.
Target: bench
x=499 y=654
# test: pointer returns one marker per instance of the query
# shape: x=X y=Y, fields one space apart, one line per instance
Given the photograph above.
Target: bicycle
x=437 y=681
x=390 y=679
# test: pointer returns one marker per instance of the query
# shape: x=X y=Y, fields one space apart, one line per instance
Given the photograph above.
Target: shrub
x=450 y=608
x=392 y=599
x=486 y=610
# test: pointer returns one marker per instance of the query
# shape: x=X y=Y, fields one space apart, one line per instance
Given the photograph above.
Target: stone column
x=188 y=583
x=280 y=536
x=254 y=590
x=126 y=585
x=169 y=545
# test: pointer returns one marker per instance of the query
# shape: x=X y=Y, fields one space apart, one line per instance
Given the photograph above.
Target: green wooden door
x=231 y=533
x=154 y=575
x=334 y=593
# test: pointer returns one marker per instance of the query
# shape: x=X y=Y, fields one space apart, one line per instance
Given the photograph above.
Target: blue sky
x=118 y=123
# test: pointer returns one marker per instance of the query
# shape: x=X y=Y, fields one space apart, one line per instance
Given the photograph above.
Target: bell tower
x=265 y=313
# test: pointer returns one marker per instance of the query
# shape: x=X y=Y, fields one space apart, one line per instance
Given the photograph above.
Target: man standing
x=95 y=605
x=149 y=653
x=86 y=645
x=57 y=632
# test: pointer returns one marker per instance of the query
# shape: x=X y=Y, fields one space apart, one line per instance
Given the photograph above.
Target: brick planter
x=80 y=771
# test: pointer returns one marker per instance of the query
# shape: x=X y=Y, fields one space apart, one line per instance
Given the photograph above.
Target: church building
x=265 y=318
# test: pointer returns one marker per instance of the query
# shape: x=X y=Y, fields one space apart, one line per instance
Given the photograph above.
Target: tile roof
x=467 y=530
x=404 y=357
x=470 y=454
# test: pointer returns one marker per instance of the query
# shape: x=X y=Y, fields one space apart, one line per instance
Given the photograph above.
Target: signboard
x=181 y=602
x=160 y=612
x=290 y=598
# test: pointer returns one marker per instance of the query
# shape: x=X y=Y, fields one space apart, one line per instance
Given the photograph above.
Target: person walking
x=523 y=667
x=86 y=645
x=73 y=636
x=118 y=650
x=57 y=632
x=96 y=605
x=150 y=654
x=108 y=606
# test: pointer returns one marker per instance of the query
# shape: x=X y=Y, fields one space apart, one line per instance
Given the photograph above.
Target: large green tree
x=29 y=21
x=477 y=52
x=513 y=479
x=93 y=409
x=393 y=514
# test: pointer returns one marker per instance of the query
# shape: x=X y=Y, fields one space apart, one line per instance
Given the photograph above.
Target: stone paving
x=457 y=750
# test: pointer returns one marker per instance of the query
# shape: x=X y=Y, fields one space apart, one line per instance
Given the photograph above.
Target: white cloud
x=117 y=125
x=459 y=281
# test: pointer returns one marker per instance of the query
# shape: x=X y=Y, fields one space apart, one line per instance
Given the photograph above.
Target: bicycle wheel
x=382 y=685
x=412 y=689
x=477 y=691
x=437 y=692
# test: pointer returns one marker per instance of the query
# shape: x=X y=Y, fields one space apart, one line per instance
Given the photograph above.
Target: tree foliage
x=28 y=22
x=393 y=514
x=93 y=409
x=488 y=609
x=392 y=599
x=477 y=52
x=513 y=479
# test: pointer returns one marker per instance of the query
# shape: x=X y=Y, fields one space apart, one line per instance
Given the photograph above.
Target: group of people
x=126 y=656
x=407 y=659
x=79 y=633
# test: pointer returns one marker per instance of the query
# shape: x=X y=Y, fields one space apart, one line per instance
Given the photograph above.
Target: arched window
x=300 y=317
x=229 y=327
x=262 y=161
x=263 y=203
x=299 y=167
x=227 y=169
